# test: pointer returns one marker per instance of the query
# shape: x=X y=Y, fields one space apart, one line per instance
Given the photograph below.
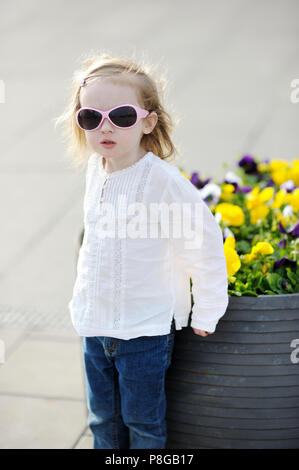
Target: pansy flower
x=294 y=231
x=288 y=186
x=246 y=189
x=284 y=262
x=279 y=171
x=210 y=193
x=197 y=181
x=261 y=248
x=282 y=243
x=233 y=262
x=248 y=164
x=280 y=198
x=231 y=213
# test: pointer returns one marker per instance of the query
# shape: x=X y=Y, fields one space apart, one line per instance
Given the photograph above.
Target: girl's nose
x=106 y=124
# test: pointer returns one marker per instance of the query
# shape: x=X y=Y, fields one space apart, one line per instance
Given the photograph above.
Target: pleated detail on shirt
x=110 y=254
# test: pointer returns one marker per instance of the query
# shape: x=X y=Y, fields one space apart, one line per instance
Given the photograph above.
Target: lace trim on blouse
x=118 y=253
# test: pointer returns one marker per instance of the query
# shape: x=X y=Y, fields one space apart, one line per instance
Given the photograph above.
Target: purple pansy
x=235 y=184
x=282 y=243
x=284 y=262
x=246 y=189
x=281 y=228
x=197 y=181
x=194 y=178
x=248 y=163
x=269 y=183
x=294 y=231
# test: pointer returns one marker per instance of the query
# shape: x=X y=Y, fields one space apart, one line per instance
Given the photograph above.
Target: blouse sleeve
x=201 y=254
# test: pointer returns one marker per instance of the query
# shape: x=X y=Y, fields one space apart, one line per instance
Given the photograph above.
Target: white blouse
x=131 y=286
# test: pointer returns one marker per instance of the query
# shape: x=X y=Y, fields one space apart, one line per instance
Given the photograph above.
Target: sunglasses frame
x=141 y=113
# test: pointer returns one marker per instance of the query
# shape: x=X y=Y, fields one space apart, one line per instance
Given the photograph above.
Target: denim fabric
x=125 y=390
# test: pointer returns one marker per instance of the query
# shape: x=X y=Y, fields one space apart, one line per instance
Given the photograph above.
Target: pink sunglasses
x=123 y=116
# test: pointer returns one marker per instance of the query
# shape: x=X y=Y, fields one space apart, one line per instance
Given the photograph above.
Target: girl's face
x=103 y=94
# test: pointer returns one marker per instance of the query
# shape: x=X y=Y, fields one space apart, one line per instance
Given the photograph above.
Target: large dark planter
x=237 y=388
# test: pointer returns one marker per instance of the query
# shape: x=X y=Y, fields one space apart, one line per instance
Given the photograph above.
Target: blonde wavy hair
x=150 y=89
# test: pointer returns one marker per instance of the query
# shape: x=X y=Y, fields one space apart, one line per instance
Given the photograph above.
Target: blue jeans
x=125 y=390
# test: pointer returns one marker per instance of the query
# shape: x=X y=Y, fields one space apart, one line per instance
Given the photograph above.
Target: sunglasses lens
x=124 y=116
x=89 y=119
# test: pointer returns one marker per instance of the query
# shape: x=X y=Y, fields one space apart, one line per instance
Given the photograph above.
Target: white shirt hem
x=123 y=333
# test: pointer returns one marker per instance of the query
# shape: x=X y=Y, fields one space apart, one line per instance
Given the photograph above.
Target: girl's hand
x=201 y=332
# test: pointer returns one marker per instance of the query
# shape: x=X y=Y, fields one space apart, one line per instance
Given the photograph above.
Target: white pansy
x=210 y=189
x=288 y=185
x=231 y=177
x=287 y=211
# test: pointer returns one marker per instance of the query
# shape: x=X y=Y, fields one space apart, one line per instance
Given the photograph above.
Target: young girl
x=132 y=292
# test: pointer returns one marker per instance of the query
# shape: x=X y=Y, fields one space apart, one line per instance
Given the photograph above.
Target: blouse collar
x=123 y=170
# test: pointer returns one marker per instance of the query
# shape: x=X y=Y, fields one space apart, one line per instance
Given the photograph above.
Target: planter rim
x=264 y=302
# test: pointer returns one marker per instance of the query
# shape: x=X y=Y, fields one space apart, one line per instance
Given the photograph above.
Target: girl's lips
x=108 y=145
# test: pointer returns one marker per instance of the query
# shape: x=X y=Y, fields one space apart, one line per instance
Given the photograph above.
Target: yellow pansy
x=227 y=191
x=280 y=177
x=230 y=242
x=279 y=171
x=293 y=199
x=278 y=165
x=259 y=213
x=230 y=213
x=233 y=262
x=248 y=257
x=294 y=172
x=255 y=198
x=262 y=167
x=265 y=267
x=262 y=248
x=266 y=194
x=256 y=203
x=252 y=199
x=280 y=198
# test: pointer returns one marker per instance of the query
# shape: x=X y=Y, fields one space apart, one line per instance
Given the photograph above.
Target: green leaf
x=274 y=281
x=250 y=293
x=243 y=247
x=234 y=292
x=292 y=277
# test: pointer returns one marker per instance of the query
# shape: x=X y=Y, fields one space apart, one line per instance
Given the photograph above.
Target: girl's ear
x=150 y=122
